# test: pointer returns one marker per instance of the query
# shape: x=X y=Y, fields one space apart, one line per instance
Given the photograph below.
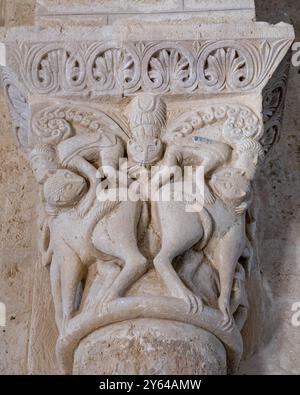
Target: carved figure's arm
x=167 y=168
x=81 y=165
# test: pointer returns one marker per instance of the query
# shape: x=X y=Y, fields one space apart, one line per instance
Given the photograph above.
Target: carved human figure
x=80 y=151
x=225 y=242
x=232 y=186
x=199 y=151
x=84 y=230
x=146 y=148
x=75 y=232
x=76 y=242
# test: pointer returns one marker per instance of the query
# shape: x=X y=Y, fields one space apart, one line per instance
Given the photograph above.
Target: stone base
x=149 y=346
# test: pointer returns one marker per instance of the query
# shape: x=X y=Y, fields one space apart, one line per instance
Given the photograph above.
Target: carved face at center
x=145 y=151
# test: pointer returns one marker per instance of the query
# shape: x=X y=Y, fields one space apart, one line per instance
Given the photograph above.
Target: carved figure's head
x=64 y=189
x=145 y=151
x=43 y=162
x=148 y=115
x=249 y=153
x=147 y=118
x=231 y=185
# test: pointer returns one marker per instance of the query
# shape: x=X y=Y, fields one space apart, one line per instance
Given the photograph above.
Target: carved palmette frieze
x=18 y=106
x=113 y=68
x=274 y=95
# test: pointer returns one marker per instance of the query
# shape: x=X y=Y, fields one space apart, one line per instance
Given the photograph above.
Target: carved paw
x=82 y=211
x=240 y=210
x=109 y=296
x=228 y=320
x=194 y=303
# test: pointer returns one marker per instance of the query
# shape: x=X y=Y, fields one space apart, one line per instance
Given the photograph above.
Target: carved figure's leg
x=209 y=164
x=72 y=271
x=117 y=236
x=227 y=254
x=180 y=231
x=55 y=278
x=163 y=265
x=135 y=265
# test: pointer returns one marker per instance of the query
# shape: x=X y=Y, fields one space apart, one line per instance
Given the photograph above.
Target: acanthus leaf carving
x=128 y=67
x=168 y=67
x=19 y=108
x=273 y=104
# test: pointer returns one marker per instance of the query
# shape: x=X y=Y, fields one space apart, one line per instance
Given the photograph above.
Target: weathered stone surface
x=109 y=6
x=150 y=347
x=57 y=13
x=18 y=252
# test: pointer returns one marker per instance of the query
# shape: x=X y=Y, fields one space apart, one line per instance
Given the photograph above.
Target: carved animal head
x=231 y=185
x=145 y=151
x=64 y=188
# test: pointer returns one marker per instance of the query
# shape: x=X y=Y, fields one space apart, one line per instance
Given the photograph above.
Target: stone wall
x=278 y=186
x=18 y=213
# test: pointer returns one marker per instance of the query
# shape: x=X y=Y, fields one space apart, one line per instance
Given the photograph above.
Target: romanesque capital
x=145 y=142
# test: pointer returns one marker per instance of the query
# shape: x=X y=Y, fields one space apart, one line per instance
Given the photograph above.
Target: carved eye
x=55 y=133
x=177 y=135
x=237 y=131
x=68 y=175
x=227 y=185
x=68 y=187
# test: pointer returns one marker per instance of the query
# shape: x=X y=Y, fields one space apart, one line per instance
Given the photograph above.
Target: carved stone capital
x=118 y=109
